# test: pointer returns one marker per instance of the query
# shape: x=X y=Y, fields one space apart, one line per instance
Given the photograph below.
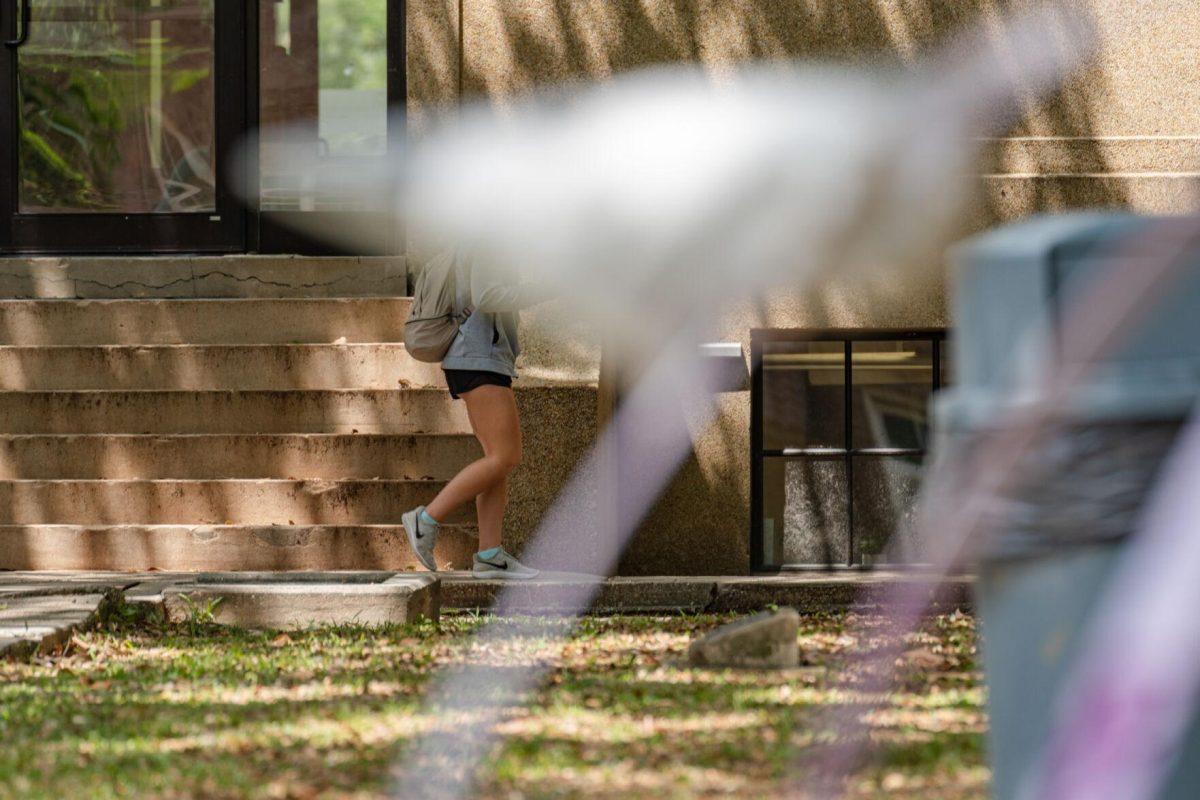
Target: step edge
x=152 y=301
x=59 y=348
x=8 y=437
x=518 y=386
x=122 y=482
x=154 y=526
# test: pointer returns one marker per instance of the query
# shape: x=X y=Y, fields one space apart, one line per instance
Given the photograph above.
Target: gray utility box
x=1057 y=537
x=1013 y=286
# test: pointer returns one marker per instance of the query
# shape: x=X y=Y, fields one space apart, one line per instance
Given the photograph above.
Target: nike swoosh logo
x=494 y=564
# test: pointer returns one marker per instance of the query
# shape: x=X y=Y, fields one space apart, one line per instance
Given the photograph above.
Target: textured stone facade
x=1120 y=135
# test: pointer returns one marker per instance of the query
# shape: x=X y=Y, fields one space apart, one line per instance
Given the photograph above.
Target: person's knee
x=507 y=459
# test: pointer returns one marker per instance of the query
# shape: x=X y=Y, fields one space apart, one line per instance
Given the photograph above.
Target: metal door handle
x=26 y=15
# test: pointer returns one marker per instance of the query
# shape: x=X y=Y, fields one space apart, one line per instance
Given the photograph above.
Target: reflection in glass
x=892 y=383
x=323 y=99
x=803 y=394
x=117 y=107
x=885 y=498
x=804 y=511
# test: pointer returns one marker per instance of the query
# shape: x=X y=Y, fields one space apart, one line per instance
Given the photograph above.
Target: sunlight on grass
x=150 y=710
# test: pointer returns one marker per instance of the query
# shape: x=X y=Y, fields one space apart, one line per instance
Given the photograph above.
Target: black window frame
x=848 y=452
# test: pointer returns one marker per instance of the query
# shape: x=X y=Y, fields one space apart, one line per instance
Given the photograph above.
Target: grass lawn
x=144 y=710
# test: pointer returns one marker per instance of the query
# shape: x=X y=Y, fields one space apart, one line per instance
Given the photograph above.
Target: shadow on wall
x=510 y=48
x=1050 y=161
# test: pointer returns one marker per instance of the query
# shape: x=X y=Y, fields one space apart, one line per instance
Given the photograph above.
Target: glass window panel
x=117 y=107
x=804 y=511
x=885 y=497
x=891 y=384
x=323 y=99
x=803 y=395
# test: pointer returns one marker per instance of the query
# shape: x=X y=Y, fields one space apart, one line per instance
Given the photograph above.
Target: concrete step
x=212 y=456
x=202 y=276
x=214 y=502
x=238 y=321
x=214 y=367
x=273 y=605
x=39 y=623
x=319 y=411
x=191 y=548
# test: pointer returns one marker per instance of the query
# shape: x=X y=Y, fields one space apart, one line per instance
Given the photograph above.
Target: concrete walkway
x=40 y=610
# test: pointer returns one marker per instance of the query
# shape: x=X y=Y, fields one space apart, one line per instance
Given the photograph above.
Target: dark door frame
x=237 y=226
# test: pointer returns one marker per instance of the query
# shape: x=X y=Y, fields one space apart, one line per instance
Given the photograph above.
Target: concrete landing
x=806 y=592
x=288 y=320
x=33 y=622
x=38 y=609
x=236 y=276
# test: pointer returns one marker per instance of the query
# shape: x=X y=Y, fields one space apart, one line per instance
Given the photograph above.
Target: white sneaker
x=503 y=566
x=421 y=537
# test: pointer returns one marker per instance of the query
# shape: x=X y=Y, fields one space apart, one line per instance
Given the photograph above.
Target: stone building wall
x=1121 y=135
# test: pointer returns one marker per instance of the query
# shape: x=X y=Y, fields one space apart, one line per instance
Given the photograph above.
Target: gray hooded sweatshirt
x=487 y=340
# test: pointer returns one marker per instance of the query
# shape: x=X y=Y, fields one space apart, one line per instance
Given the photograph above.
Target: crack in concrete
x=122 y=284
x=77 y=282
x=313 y=285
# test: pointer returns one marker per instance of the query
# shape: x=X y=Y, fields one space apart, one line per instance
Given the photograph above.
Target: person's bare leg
x=489 y=506
x=492 y=411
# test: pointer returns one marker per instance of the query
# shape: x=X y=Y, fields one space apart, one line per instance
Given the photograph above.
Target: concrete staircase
x=219 y=434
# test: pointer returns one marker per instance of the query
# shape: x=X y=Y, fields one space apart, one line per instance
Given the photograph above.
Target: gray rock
x=764 y=641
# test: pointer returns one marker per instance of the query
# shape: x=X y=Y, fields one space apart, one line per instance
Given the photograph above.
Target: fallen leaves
x=225 y=713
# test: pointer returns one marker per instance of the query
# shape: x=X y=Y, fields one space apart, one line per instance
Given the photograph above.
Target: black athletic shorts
x=461 y=381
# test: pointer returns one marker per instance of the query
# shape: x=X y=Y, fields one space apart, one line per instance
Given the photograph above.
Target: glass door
x=330 y=111
x=119 y=118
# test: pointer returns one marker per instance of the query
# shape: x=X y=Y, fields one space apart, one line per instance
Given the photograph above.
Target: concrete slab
x=307 y=604
x=550 y=593
x=274 y=548
x=217 y=502
x=151 y=593
x=30 y=584
x=171 y=412
x=346 y=577
x=294 y=276
x=378 y=411
x=31 y=323
x=556 y=592
x=188 y=367
x=808 y=592
x=69 y=577
x=49 y=278
x=32 y=623
x=243 y=456
x=32 y=589
x=210 y=277
x=667 y=594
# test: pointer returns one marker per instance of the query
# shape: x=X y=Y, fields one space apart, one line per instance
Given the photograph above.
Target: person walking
x=480 y=367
